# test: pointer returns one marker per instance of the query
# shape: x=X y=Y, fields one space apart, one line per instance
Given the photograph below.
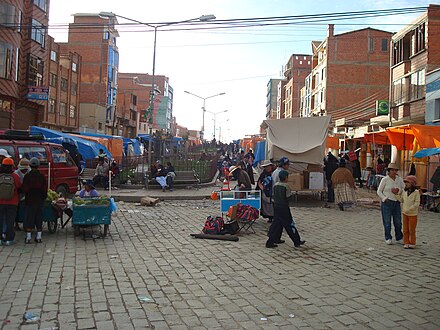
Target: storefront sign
x=38 y=93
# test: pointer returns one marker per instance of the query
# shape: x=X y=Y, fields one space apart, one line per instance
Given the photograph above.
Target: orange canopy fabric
x=402 y=137
x=377 y=137
x=332 y=142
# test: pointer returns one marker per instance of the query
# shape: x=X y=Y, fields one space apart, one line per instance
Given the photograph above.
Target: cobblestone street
x=149 y=273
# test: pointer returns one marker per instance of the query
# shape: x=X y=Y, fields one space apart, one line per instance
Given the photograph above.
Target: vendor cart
x=50 y=215
x=91 y=212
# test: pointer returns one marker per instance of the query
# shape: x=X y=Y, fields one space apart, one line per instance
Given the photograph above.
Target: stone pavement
x=149 y=273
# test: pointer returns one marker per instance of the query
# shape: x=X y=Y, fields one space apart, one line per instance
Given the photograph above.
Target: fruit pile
x=52 y=195
x=105 y=201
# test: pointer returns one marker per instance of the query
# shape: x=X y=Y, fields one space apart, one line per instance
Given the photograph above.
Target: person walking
x=344 y=186
x=35 y=190
x=9 y=184
x=410 y=199
x=264 y=183
x=21 y=171
x=283 y=164
x=389 y=187
x=282 y=195
x=331 y=165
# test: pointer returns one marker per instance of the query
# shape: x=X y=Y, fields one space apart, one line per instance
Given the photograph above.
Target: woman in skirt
x=344 y=186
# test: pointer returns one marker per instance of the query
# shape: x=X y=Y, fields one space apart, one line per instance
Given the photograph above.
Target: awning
x=427 y=152
x=377 y=137
x=402 y=137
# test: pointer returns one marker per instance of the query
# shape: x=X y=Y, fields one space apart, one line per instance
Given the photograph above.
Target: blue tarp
x=87 y=149
x=260 y=152
x=136 y=146
x=427 y=152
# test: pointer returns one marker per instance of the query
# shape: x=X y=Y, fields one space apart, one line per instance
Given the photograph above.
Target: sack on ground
x=213 y=226
x=7 y=186
x=231 y=227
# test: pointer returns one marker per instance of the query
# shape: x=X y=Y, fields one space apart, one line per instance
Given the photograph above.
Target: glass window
x=41 y=4
x=17 y=62
x=418 y=85
x=9 y=149
x=53 y=79
x=59 y=155
x=63 y=109
x=74 y=89
x=5 y=60
x=29 y=152
x=73 y=66
x=38 y=32
x=7 y=15
x=19 y=21
x=51 y=108
x=63 y=84
x=35 y=72
x=53 y=55
x=384 y=47
x=371 y=45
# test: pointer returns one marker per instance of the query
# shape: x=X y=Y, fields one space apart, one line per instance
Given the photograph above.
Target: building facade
x=296 y=70
x=350 y=72
x=415 y=54
x=281 y=90
x=271 y=98
x=23 y=67
x=94 y=38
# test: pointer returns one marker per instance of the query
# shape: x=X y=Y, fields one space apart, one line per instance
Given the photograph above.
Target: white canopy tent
x=300 y=139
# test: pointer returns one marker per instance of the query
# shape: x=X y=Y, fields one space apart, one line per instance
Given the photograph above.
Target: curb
x=137 y=199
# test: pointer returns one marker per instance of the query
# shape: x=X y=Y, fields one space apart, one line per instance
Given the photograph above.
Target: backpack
x=267 y=186
x=7 y=186
x=213 y=226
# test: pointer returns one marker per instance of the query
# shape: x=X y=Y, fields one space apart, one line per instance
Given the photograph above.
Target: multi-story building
x=63 y=76
x=296 y=70
x=94 y=38
x=271 y=98
x=350 y=72
x=281 y=90
x=415 y=54
x=306 y=97
x=23 y=67
x=126 y=118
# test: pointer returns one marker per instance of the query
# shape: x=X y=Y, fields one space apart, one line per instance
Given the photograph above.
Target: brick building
x=94 y=38
x=23 y=51
x=415 y=53
x=350 y=72
x=281 y=91
x=296 y=70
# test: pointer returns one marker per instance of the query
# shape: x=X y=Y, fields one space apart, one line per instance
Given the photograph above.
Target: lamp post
x=203 y=18
x=203 y=108
x=215 y=117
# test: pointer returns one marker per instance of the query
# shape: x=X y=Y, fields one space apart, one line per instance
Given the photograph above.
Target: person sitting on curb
x=282 y=216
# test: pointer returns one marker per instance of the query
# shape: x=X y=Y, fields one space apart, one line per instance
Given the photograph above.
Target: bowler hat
x=392 y=166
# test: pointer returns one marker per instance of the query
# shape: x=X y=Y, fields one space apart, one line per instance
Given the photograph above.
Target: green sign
x=382 y=108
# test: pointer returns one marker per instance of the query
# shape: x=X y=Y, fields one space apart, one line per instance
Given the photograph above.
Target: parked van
x=63 y=174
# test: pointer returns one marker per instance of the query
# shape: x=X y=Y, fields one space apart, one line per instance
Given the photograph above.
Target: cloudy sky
x=237 y=61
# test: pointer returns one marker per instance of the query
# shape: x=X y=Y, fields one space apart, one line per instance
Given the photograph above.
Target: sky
x=237 y=62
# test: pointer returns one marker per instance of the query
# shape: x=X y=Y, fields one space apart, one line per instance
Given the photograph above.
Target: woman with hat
x=243 y=181
x=21 y=171
x=88 y=190
x=410 y=199
x=343 y=186
x=389 y=187
x=264 y=183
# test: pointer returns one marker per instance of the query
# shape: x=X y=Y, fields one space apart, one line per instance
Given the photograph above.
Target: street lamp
x=215 y=117
x=203 y=108
x=203 y=18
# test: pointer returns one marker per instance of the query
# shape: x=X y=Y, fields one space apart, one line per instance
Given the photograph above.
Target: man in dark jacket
x=331 y=165
x=35 y=190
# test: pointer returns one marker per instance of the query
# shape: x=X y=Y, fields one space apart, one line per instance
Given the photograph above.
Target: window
x=74 y=67
x=38 y=32
x=59 y=155
x=400 y=91
x=417 y=88
x=418 y=39
x=384 y=47
x=5 y=60
x=106 y=35
x=53 y=55
x=41 y=4
x=29 y=152
x=63 y=109
x=35 y=71
x=7 y=15
x=53 y=80
x=72 y=113
x=19 y=21
x=100 y=126
x=74 y=89
x=64 y=84
x=51 y=108
x=134 y=99
x=370 y=45
x=17 y=62
x=437 y=109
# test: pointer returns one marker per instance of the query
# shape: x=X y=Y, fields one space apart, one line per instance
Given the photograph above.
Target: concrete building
x=281 y=91
x=94 y=38
x=432 y=115
x=415 y=54
x=162 y=114
x=306 y=97
x=271 y=98
x=23 y=67
x=296 y=70
x=350 y=72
